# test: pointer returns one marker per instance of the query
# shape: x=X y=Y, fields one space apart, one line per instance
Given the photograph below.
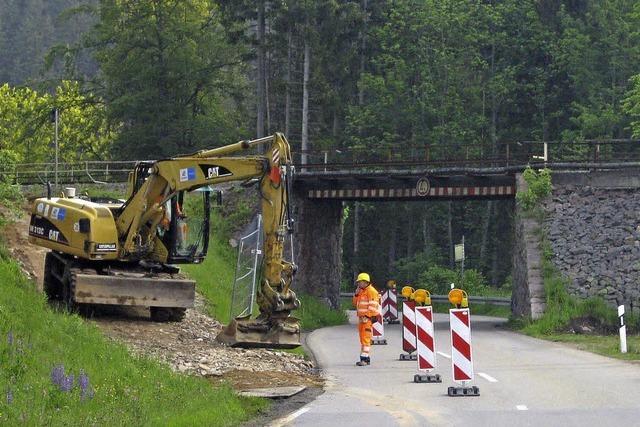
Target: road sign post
x=623 y=330
x=459 y=256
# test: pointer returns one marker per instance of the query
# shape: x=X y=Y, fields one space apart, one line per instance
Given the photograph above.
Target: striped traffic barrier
x=378 y=332
x=408 y=330
x=390 y=305
x=461 y=359
x=425 y=346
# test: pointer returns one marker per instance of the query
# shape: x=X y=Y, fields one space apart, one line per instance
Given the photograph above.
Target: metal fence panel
x=247 y=270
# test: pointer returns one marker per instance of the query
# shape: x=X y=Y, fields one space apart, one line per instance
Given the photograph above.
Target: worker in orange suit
x=366 y=300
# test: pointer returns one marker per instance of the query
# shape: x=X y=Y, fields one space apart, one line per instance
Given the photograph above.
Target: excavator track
x=78 y=287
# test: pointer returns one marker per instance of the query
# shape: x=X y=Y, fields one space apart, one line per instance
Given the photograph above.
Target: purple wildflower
x=57 y=375
x=9 y=396
x=83 y=382
x=10 y=337
x=67 y=383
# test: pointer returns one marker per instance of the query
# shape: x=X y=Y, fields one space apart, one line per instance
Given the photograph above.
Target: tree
x=171 y=76
x=27 y=131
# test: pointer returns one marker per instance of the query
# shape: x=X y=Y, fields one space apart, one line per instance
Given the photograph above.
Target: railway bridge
x=325 y=179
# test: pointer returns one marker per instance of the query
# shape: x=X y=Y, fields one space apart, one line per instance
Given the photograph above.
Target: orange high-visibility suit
x=367 y=304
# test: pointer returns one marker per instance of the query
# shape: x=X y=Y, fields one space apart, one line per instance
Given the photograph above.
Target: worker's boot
x=364 y=361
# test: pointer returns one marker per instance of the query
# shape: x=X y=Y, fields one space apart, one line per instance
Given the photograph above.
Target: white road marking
x=444 y=355
x=487 y=377
x=522 y=407
x=286 y=420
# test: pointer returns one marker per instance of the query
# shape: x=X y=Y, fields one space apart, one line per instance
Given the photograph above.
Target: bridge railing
x=379 y=157
x=470 y=155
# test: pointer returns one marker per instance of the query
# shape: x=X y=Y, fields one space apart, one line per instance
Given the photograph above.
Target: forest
x=138 y=79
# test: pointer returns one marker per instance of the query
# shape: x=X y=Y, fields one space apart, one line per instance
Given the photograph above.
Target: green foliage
x=631 y=104
x=538 y=187
x=11 y=197
x=171 y=76
x=437 y=280
x=406 y=270
x=122 y=389
x=27 y=132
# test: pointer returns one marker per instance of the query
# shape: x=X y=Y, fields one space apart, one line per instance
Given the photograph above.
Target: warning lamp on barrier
x=391 y=284
x=421 y=297
x=407 y=291
x=458 y=298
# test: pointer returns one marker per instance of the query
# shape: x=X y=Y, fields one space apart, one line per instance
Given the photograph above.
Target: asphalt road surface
x=523 y=382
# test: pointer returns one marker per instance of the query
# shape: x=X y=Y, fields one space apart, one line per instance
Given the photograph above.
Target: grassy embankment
x=563 y=310
x=57 y=369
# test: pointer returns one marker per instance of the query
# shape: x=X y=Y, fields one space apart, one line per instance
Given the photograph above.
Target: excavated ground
x=188 y=346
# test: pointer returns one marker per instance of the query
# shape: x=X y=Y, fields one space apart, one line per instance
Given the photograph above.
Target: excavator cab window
x=188 y=236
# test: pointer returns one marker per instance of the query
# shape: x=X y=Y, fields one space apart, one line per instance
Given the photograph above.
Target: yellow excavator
x=124 y=252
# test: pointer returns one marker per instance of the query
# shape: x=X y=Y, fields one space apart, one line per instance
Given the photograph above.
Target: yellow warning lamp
x=458 y=298
x=422 y=297
x=407 y=291
x=391 y=284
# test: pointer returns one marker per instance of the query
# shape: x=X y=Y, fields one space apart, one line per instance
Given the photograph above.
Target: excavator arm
x=139 y=216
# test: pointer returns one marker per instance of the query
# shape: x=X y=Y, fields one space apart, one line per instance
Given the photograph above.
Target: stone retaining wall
x=595 y=237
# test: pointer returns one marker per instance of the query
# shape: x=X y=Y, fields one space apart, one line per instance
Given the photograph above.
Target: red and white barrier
x=425 y=346
x=378 y=332
x=408 y=330
x=390 y=305
x=425 y=339
x=461 y=360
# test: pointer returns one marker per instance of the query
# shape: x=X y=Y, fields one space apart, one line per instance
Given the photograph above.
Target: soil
x=30 y=257
x=188 y=346
x=589 y=325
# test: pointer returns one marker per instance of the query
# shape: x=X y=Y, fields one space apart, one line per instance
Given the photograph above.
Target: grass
x=122 y=389
x=214 y=278
x=315 y=314
x=606 y=345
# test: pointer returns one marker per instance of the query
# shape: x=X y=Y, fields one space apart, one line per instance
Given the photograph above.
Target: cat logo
x=213 y=172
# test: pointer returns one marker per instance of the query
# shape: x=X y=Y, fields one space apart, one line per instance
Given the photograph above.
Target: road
x=523 y=382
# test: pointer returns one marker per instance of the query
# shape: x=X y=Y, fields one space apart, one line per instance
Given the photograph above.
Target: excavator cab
x=188 y=218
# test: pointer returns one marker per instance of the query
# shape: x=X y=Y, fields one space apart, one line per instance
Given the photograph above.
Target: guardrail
x=503 y=301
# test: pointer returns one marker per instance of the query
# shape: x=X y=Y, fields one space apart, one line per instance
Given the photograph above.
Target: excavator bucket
x=248 y=333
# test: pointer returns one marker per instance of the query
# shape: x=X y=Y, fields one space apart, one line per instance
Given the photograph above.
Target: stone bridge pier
x=318 y=247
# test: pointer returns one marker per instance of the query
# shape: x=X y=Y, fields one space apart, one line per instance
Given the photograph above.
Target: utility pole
x=55 y=116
